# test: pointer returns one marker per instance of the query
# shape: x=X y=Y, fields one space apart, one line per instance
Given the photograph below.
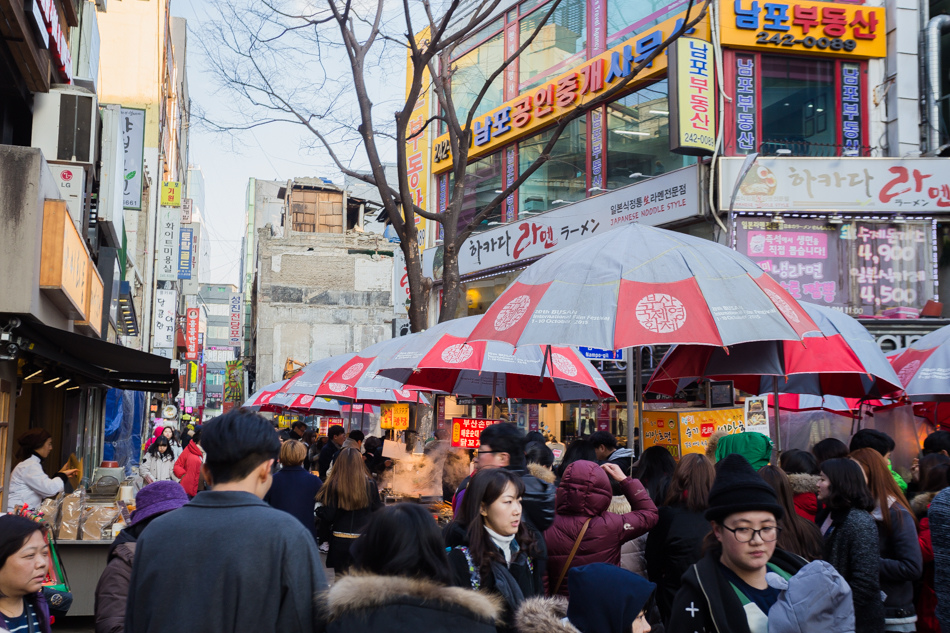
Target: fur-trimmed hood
x=359 y=591
x=713 y=443
x=543 y=615
x=921 y=503
x=542 y=473
x=803 y=482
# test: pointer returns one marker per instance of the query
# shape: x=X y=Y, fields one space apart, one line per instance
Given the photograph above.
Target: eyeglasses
x=481 y=452
x=746 y=534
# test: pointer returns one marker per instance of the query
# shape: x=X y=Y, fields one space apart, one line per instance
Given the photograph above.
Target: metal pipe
x=631 y=407
x=932 y=72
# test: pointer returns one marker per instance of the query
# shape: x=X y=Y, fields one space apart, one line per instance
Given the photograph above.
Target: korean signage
x=133 y=145
x=682 y=433
x=594 y=353
x=191 y=334
x=94 y=305
x=400 y=283
x=171 y=194
x=394 y=416
x=235 y=310
x=851 y=103
x=906 y=185
x=667 y=198
x=692 y=97
x=166 y=304
x=860 y=267
x=185 y=241
x=810 y=27
x=417 y=143
x=55 y=39
x=186 y=207
x=544 y=104
x=746 y=141
x=533 y=411
x=167 y=244
x=218 y=354
x=466 y=431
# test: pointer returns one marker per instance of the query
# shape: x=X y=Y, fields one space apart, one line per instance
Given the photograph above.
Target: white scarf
x=503 y=542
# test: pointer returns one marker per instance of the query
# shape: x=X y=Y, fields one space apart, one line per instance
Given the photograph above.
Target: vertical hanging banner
x=166 y=304
x=171 y=194
x=191 y=334
x=851 y=100
x=533 y=411
x=186 y=207
x=235 y=310
x=133 y=143
x=185 y=240
x=168 y=226
x=746 y=134
x=417 y=144
x=692 y=102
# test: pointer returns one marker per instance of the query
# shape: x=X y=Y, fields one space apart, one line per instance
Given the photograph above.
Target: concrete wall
x=318 y=297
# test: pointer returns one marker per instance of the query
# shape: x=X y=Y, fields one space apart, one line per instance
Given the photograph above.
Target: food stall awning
x=98 y=360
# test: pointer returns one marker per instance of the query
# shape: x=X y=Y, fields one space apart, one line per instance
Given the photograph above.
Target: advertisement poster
x=234 y=381
x=466 y=431
x=166 y=304
x=533 y=411
x=684 y=432
x=603 y=417
x=661 y=429
x=394 y=416
x=757 y=415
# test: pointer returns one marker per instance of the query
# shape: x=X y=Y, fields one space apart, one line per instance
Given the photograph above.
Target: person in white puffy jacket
x=29 y=484
x=158 y=463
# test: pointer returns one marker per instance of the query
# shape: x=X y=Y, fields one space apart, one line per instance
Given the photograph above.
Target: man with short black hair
x=883 y=444
x=327 y=454
x=244 y=566
x=357 y=436
x=295 y=432
x=608 y=451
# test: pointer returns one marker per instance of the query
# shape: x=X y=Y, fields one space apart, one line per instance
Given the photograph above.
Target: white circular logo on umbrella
x=783 y=306
x=513 y=312
x=458 y=353
x=564 y=365
x=661 y=313
x=337 y=387
x=353 y=371
x=306 y=400
x=403 y=393
x=906 y=374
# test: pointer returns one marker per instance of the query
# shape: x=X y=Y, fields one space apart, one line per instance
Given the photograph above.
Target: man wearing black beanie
x=727 y=590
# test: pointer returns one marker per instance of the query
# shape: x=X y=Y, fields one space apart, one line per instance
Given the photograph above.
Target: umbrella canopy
x=641 y=285
x=441 y=359
x=842 y=360
x=924 y=367
x=260 y=400
x=309 y=379
x=305 y=403
x=356 y=379
x=808 y=402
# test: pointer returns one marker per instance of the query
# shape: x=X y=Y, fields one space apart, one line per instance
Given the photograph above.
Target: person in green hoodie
x=755 y=447
x=883 y=444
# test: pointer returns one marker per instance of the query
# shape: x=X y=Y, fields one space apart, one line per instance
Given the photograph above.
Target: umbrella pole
x=631 y=412
x=778 y=428
x=639 y=397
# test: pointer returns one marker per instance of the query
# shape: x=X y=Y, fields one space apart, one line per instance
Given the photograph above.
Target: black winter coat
x=674 y=543
x=901 y=562
x=851 y=547
x=336 y=522
x=364 y=603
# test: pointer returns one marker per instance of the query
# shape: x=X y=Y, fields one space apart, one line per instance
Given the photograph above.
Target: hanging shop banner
x=400 y=284
x=817 y=28
x=235 y=313
x=851 y=101
x=186 y=208
x=394 y=416
x=417 y=143
x=167 y=246
x=171 y=194
x=234 y=381
x=185 y=241
x=533 y=417
x=166 y=304
x=543 y=105
x=905 y=185
x=692 y=97
x=757 y=415
x=746 y=140
x=133 y=142
x=668 y=198
x=603 y=417
x=863 y=268
x=466 y=431
x=191 y=334
x=440 y=412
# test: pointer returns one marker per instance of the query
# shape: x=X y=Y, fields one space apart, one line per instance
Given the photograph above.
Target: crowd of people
x=730 y=541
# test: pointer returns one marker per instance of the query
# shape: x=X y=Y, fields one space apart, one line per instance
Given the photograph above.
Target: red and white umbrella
x=924 y=367
x=356 y=379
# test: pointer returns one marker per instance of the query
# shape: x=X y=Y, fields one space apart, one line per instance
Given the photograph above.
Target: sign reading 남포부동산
x=692 y=102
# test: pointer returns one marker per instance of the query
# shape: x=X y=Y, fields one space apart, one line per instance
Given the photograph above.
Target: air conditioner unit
x=65 y=123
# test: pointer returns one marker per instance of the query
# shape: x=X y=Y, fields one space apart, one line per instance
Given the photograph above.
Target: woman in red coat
x=188 y=466
x=802 y=470
x=584 y=495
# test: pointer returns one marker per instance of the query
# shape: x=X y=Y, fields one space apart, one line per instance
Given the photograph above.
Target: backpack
x=817 y=598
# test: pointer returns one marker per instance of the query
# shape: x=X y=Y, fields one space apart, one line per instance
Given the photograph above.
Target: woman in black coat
x=851 y=540
x=294 y=490
x=400 y=582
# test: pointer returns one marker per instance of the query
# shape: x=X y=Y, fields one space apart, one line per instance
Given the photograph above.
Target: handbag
x=570 y=557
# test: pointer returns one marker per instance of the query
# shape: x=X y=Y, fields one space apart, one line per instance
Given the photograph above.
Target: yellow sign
x=817 y=28
x=417 y=147
x=171 y=193
x=684 y=431
x=64 y=261
x=394 y=416
x=542 y=106
x=692 y=97
x=93 y=320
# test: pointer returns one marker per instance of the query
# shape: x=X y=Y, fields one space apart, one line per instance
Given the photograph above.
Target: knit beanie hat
x=755 y=447
x=738 y=488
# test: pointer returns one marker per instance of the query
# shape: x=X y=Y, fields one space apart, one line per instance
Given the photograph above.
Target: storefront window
x=471 y=71
x=624 y=18
x=638 y=137
x=562 y=178
x=798 y=106
x=482 y=180
x=561 y=40
x=480 y=294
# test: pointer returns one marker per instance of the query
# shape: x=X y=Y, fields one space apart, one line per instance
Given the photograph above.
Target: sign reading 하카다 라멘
x=466 y=431
x=808 y=26
x=692 y=97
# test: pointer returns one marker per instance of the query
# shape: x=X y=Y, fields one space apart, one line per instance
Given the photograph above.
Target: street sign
x=595 y=353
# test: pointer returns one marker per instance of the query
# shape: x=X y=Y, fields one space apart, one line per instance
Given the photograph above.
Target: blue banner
x=185 y=238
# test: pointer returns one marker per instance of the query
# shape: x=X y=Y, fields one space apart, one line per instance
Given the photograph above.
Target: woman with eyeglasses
x=851 y=539
x=727 y=590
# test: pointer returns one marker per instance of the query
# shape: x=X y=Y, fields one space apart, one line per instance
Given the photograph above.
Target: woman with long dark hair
x=158 y=463
x=24 y=563
x=579 y=449
x=500 y=550
x=851 y=540
x=901 y=560
x=677 y=540
x=801 y=467
x=29 y=484
x=347 y=500
x=799 y=535
x=655 y=470
x=829 y=448
x=401 y=582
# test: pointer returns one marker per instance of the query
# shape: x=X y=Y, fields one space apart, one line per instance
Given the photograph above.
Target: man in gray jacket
x=240 y=565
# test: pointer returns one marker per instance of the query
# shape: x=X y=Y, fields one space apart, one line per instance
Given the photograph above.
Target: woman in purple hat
x=112 y=592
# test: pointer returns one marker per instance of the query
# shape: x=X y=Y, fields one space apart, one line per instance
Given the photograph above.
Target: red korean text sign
x=191 y=334
x=465 y=431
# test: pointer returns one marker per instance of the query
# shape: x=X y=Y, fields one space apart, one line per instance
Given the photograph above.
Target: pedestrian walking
x=188 y=466
x=112 y=591
x=347 y=499
x=654 y=470
x=158 y=462
x=245 y=566
x=829 y=448
x=608 y=450
x=798 y=535
x=401 y=582
x=901 y=559
x=499 y=551
x=579 y=449
x=925 y=593
x=801 y=467
x=29 y=484
x=328 y=453
x=676 y=542
x=584 y=531
x=294 y=490
x=24 y=563
x=938 y=516
x=727 y=590
x=851 y=538
x=884 y=445
x=755 y=447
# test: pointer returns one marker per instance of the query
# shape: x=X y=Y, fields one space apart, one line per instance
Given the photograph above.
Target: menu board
x=860 y=267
